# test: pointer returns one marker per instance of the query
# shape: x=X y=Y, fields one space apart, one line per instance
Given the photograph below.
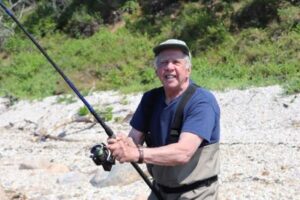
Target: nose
x=169 y=66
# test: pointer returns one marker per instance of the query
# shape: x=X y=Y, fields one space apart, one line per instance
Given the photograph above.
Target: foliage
x=7 y=25
x=66 y=99
x=77 y=18
x=257 y=14
x=42 y=21
x=106 y=113
x=230 y=46
x=83 y=111
x=293 y=85
x=200 y=28
x=26 y=74
x=118 y=120
x=124 y=101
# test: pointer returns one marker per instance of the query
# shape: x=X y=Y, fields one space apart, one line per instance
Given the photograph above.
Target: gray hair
x=187 y=58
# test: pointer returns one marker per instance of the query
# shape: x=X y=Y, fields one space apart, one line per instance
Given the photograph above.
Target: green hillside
x=105 y=45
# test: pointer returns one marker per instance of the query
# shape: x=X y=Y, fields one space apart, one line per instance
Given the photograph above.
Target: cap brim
x=163 y=47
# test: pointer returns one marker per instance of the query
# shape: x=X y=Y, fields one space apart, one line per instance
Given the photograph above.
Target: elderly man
x=180 y=123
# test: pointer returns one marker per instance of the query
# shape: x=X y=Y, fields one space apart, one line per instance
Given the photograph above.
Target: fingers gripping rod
x=107 y=129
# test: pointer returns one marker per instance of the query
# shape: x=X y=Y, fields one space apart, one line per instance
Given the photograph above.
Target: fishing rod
x=107 y=129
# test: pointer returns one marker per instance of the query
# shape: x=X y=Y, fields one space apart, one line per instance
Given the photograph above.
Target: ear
x=189 y=70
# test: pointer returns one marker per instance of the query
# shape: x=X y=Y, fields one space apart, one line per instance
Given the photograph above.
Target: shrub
x=66 y=99
x=83 y=111
x=42 y=20
x=257 y=14
x=106 y=113
x=79 y=22
x=292 y=86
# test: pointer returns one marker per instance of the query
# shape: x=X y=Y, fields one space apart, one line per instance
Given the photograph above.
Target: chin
x=171 y=86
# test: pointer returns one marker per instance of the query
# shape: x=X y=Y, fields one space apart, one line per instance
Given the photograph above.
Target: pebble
x=70 y=177
x=260 y=148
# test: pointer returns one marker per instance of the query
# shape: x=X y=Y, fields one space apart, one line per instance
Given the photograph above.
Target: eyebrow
x=170 y=57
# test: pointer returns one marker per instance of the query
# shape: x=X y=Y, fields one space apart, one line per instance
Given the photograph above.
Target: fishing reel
x=102 y=156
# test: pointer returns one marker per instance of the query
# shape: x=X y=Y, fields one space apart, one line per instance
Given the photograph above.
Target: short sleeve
x=139 y=117
x=199 y=118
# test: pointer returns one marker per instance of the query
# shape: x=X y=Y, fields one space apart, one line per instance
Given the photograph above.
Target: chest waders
x=201 y=170
x=109 y=132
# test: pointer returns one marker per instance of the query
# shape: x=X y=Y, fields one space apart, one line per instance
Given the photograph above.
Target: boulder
x=44 y=164
x=120 y=175
x=3 y=194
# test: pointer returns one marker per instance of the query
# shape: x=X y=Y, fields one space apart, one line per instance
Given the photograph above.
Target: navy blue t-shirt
x=201 y=116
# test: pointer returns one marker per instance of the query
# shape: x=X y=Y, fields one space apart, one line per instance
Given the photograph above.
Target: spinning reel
x=102 y=156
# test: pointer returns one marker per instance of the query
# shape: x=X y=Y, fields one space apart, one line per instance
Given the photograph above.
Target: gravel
x=44 y=149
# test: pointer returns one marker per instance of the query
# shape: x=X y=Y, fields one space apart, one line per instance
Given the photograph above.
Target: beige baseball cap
x=172 y=43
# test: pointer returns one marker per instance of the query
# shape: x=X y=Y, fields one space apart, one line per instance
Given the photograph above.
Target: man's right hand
x=123 y=148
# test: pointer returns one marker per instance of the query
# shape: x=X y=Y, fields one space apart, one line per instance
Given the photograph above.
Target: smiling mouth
x=168 y=77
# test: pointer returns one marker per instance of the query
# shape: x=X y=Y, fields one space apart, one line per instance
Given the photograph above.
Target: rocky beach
x=45 y=147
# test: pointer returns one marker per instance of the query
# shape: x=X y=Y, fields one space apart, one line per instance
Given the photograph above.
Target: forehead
x=171 y=54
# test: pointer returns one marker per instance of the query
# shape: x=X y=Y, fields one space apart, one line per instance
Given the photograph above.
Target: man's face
x=171 y=69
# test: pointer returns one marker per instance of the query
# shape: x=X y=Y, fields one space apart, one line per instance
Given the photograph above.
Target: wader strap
x=178 y=118
x=185 y=188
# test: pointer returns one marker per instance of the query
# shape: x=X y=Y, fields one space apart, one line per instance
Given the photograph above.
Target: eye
x=163 y=63
x=176 y=62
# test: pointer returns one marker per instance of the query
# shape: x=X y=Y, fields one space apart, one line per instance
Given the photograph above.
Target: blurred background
x=107 y=44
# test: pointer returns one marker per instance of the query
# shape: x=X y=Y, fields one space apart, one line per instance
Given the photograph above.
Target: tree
x=18 y=7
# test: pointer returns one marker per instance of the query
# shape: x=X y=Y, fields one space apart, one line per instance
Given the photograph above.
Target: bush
x=83 y=111
x=66 y=99
x=26 y=73
x=106 y=113
x=77 y=21
x=18 y=44
x=156 y=7
x=257 y=14
x=42 y=21
x=120 y=57
x=293 y=85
